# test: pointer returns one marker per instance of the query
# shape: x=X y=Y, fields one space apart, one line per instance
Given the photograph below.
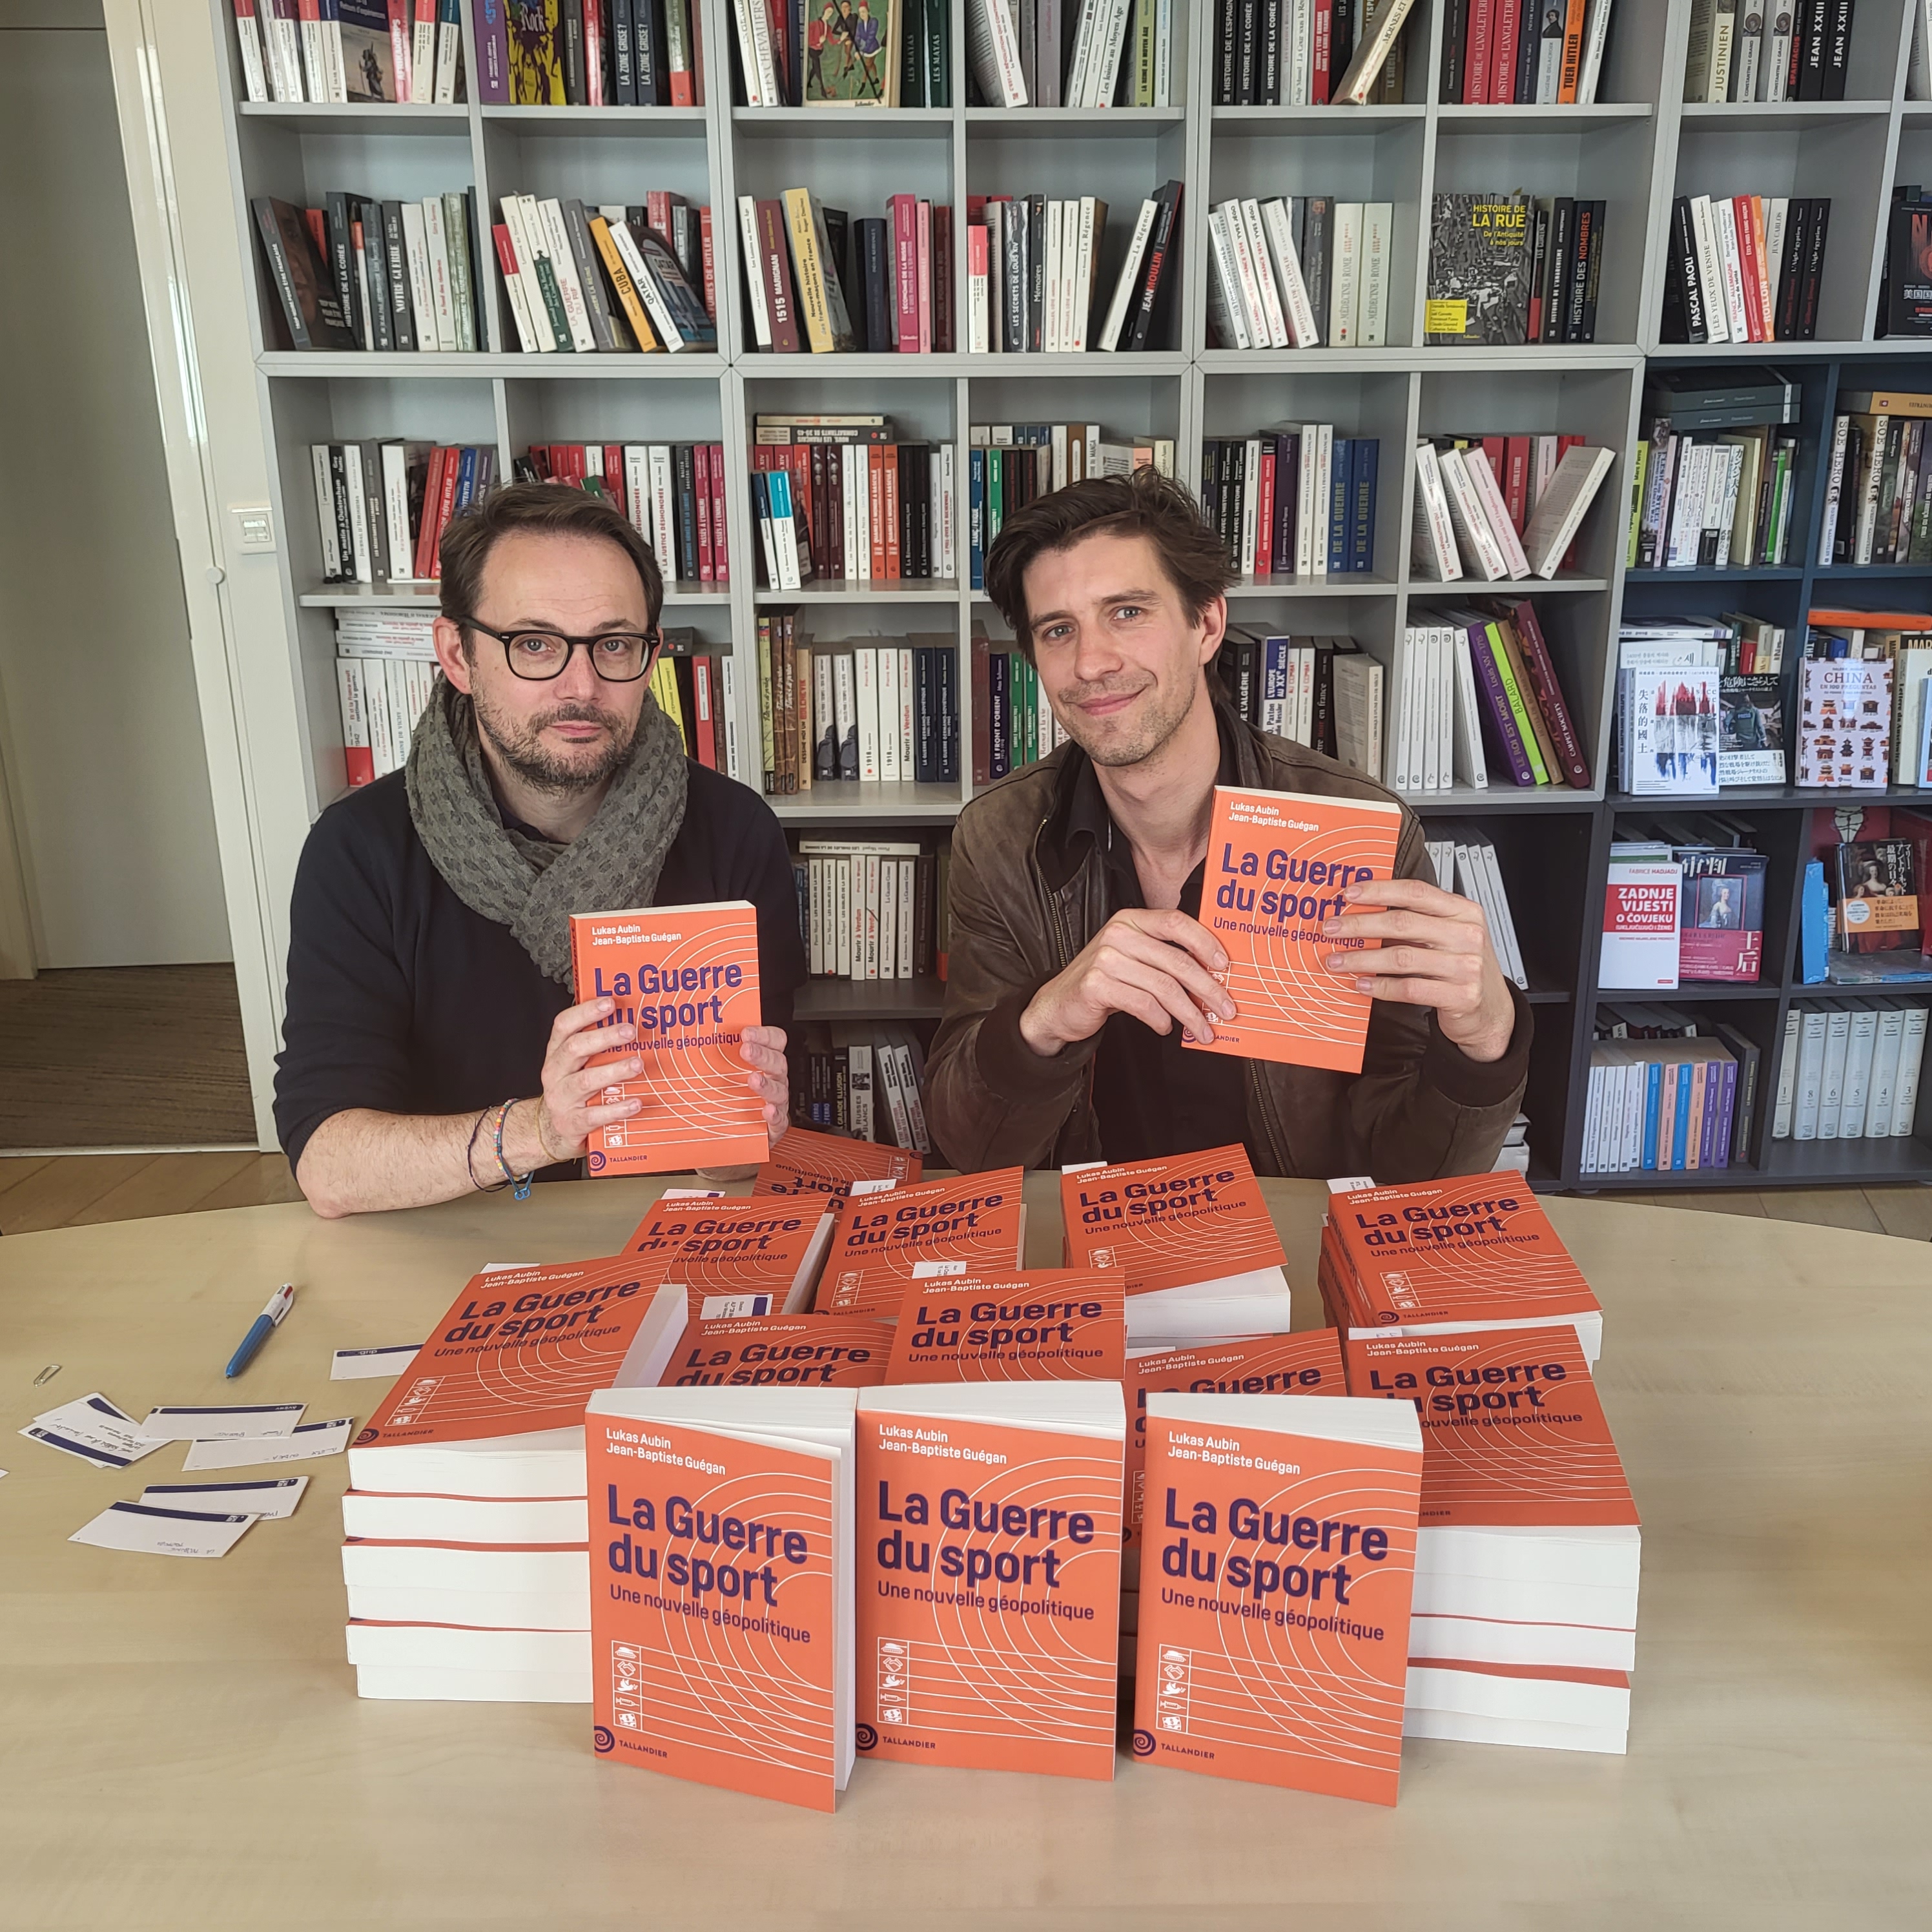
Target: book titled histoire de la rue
x=686 y=977
x=1278 y=865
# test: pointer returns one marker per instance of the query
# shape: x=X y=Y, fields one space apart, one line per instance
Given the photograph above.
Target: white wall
x=102 y=752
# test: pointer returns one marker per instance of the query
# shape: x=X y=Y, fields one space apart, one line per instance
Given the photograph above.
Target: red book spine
x=875 y=507
x=1516 y=480
x=429 y=528
x=904 y=210
x=721 y=548
x=889 y=464
x=1322 y=55
x=593 y=55
x=657 y=213
x=779 y=298
x=923 y=222
x=1264 y=557
x=709 y=260
x=1502 y=49
x=701 y=464
x=1748 y=261
x=703 y=698
x=1476 y=59
x=1542 y=681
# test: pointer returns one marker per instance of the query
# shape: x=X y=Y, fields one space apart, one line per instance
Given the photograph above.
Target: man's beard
x=519 y=743
x=1107 y=743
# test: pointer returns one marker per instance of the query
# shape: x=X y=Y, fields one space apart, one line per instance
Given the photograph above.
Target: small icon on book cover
x=1143 y=1744
x=603 y=1739
x=866 y=1738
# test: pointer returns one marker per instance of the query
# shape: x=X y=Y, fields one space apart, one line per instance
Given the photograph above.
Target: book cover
x=720 y=1601
x=804 y=1162
x=738 y=1257
x=1274 y=1647
x=988 y=1585
x=1844 y=723
x=973 y=1225
x=1309 y=1363
x=687 y=978
x=1065 y=1324
x=1877 y=892
x=1276 y=863
x=521 y=1349
x=1475 y=1248
x=1750 y=743
x=1478 y=270
x=1722 y=934
x=1513 y=1435
x=1169 y=1222
x=782 y=1352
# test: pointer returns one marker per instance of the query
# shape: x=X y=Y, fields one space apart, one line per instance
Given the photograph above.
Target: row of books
x=1477 y=689
x=1309 y=53
x=820 y=283
x=1465 y=859
x=1902 y=642
x=1013 y=724
x=673 y=492
x=1508 y=269
x=1499 y=507
x=381 y=507
x=1504 y=52
x=589 y=53
x=1309 y=271
x=1794 y=52
x=869 y=909
x=608 y=279
x=1850 y=1071
x=859 y=510
x=1683 y=900
x=386 y=673
x=1714 y=502
x=860 y=53
x=1299 y=500
x=1744 y=267
x=357 y=274
x=351 y=50
x=1878 y=487
x=1071 y=53
x=1009 y=464
x=1323 y=692
x=873 y=711
x=1663 y=1106
x=1033 y=267
x=864 y=1080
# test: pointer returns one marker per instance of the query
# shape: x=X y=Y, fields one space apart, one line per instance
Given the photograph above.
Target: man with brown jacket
x=1078 y=962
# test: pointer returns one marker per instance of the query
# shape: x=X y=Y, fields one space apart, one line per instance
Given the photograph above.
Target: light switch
x=254 y=525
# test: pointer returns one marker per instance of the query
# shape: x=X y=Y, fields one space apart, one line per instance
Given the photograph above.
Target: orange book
x=975 y=1224
x=1192 y=1236
x=988 y=1588
x=520 y=1349
x=1309 y=1363
x=1273 y=1637
x=1443 y=1257
x=687 y=978
x=739 y=1257
x=804 y=1162
x=1276 y=863
x=1052 y=1324
x=720 y=1598
x=788 y=1351
x=1513 y=1432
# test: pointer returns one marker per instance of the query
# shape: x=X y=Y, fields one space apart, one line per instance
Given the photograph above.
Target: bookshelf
x=1637 y=147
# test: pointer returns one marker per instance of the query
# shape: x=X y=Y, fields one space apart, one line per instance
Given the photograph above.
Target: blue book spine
x=1679 y=1148
x=976 y=516
x=1362 y=493
x=465 y=483
x=1814 y=927
x=1653 y=1091
x=1339 y=474
x=1727 y=1115
x=1274 y=682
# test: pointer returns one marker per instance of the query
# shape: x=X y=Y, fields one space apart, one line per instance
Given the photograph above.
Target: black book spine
x=998 y=719
x=1837 y=48
x=1814 y=268
x=1013 y=229
x=1341 y=42
x=876 y=271
x=1247 y=41
x=1812 y=34
x=1593 y=271
x=1267 y=79
x=684 y=470
x=912 y=54
x=1455 y=36
x=1287 y=498
x=1224 y=53
x=376 y=274
x=401 y=322
x=922 y=715
x=647 y=52
x=1036 y=290
x=1683 y=268
x=1575 y=272
x=1528 y=45
x=341 y=265
x=1791 y=270
x=623 y=67
x=279 y=269
x=1561 y=255
x=570 y=24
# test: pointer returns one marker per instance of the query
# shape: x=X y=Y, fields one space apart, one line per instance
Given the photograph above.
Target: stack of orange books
x=465 y=1525
x=1527 y=1562
x=806 y=1162
x=1053 y=1324
x=737 y=1259
x=1451 y=1257
x=885 y=1243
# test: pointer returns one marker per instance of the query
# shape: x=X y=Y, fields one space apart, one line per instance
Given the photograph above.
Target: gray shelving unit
x=1636 y=148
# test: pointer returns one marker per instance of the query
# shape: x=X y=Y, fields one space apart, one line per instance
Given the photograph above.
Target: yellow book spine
x=811 y=271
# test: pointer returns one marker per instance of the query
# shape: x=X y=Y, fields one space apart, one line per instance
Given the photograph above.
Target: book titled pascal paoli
x=686 y=977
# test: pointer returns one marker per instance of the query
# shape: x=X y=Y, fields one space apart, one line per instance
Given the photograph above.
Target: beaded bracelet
x=469 y=1158
x=521 y=1182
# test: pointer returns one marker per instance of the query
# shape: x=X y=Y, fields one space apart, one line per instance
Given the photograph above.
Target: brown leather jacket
x=1023 y=903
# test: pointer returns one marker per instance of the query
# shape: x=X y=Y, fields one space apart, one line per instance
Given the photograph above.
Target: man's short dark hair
x=541 y=509
x=1143 y=504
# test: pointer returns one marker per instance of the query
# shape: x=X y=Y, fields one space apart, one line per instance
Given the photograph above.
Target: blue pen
x=280 y=1303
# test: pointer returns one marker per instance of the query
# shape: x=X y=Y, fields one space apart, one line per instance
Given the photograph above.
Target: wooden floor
x=124 y=1056
x=75 y=1190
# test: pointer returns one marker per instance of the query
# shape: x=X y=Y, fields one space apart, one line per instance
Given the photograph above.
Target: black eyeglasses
x=618 y=657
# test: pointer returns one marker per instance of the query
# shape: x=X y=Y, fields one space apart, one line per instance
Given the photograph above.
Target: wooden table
x=183 y=1746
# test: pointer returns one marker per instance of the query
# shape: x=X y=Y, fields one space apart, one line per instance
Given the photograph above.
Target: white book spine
x=1480 y=551
x=992 y=41
x=1495 y=511
x=436 y=250
x=889 y=914
x=1471 y=768
x=1299 y=51
x=363 y=565
x=1730 y=263
x=1911 y=1064
x=327 y=527
x=563 y=265
x=1345 y=283
x=1377 y=226
x=1710 y=268
x=422 y=290
x=1304 y=505
x=1227 y=306
x=866 y=669
x=524 y=245
x=1433 y=537
x=1256 y=252
x=1277 y=224
x=1319 y=507
x=1129 y=277
x=1857 y=1075
x=908 y=880
x=888 y=676
x=1251 y=492
x=748 y=235
x=1049 y=327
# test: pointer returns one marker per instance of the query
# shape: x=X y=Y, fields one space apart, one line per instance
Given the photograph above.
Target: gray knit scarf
x=528 y=884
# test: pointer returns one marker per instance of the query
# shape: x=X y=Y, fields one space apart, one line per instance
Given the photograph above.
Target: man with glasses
x=430 y=1047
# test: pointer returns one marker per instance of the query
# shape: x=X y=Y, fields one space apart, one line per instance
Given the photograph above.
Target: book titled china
x=1277 y=864
x=687 y=978
x=1276 y=1587
x=721 y=1586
